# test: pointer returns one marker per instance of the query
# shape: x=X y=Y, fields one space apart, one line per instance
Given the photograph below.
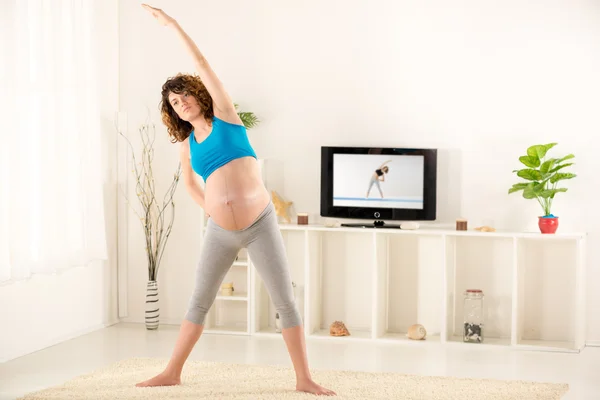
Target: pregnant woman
x=200 y=115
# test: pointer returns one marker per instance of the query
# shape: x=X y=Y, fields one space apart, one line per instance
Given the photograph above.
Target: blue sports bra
x=226 y=142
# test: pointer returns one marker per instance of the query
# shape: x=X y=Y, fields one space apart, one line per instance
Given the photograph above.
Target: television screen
x=378 y=181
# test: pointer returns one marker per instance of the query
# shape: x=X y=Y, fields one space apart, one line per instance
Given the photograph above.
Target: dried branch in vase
x=157 y=225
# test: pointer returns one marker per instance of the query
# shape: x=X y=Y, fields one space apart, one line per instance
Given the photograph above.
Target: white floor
x=54 y=365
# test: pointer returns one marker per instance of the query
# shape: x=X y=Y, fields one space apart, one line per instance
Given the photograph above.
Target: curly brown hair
x=178 y=129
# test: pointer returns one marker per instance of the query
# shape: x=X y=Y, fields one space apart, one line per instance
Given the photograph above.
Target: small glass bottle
x=473 y=316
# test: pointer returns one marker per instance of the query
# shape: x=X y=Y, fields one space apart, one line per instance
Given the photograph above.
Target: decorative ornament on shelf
x=153 y=214
x=542 y=175
x=416 y=332
x=302 y=218
x=332 y=223
x=409 y=226
x=485 y=228
x=473 y=315
x=281 y=207
x=338 y=328
x=227 y=289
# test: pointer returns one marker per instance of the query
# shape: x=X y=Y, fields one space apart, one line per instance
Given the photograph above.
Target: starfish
x=281 y=207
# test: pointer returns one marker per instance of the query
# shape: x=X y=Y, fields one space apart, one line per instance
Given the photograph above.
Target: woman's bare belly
x=234 y=195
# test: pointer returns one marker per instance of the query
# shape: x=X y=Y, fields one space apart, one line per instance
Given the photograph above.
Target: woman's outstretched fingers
x=159 y=14
x=149 y=8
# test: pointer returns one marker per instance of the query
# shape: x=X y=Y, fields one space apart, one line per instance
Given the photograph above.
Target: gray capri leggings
x=266 y=250
x=374 y=181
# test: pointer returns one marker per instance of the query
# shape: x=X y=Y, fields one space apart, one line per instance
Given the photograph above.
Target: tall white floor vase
x=152 y=305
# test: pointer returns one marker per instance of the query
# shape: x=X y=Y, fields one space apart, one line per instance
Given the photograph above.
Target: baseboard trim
x=61 y=339
x=593 y=343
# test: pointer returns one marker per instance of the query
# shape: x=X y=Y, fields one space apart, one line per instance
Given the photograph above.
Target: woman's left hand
x=159 y=14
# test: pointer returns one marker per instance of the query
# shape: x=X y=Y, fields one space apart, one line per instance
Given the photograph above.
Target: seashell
x=416 y=332
x=338 y=328
x=227 y=289
x=485 y=229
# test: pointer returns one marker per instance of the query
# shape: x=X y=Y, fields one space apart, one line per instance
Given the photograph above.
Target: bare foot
x=312 y=387
x=162 y=379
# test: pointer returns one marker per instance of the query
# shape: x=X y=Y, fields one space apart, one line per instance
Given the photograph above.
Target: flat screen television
x=378 y=184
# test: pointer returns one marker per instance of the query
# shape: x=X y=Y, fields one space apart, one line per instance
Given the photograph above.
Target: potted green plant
x=542 y=176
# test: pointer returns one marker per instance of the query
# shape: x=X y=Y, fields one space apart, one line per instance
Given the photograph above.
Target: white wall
x=479 y=80
x=48 y=309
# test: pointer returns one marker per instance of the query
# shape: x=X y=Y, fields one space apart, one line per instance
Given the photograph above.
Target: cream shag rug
x=206 y=380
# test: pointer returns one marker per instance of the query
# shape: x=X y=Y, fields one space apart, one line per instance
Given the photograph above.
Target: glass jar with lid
x=473 y=312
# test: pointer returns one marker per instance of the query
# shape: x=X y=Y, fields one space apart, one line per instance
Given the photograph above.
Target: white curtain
x=51 y=202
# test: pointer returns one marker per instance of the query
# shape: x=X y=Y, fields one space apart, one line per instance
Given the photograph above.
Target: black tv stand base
x=375 y=224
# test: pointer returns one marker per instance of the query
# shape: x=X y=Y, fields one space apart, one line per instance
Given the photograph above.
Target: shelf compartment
x=401 y=338
x=227 y=317
x=264 y=315
x=267 y=332
x=486 y=263
x=410 y=285
x=547 y=300
x=363 y=334
x=341 y=282
x=488 y=341
x=239 y=278
x=547 y=345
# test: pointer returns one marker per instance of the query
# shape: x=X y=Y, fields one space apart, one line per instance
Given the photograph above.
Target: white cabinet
x=381 y=281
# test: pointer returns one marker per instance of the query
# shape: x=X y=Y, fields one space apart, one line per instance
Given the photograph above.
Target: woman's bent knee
x=196 y=315
x=199 y=304
x=289 y=315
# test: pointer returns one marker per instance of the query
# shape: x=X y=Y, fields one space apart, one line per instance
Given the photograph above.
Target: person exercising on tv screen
x=378 y=175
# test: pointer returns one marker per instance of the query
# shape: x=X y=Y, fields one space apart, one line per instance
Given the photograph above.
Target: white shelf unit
x=381 y=281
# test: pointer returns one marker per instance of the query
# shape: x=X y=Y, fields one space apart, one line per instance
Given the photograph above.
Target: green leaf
x=540 y=150
x=538 y=187
x=553 y=170
x=529 y=161
x=545 y=193
x=567 y=157
x=530 y=174
x=547 y=165
x=559 y=176
x=248 y=119
x=516 y=187
x=549 y=193
x=529 y=192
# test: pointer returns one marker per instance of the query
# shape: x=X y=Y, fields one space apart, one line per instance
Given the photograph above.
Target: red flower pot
x=548 y=224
